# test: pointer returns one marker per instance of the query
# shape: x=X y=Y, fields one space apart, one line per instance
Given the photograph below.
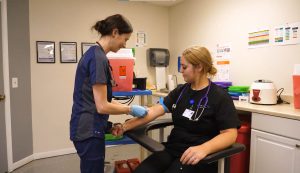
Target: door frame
x=7 y=106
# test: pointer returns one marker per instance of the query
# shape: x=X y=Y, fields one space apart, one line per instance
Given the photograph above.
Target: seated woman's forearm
x=196 y=153
x=153 y=112
x=225 y=139
x=135 y=122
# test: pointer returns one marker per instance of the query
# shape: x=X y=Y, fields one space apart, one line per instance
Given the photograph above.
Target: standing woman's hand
x=138 y=111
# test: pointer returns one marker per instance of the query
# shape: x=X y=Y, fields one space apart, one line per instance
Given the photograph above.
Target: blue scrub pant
x=92 y=154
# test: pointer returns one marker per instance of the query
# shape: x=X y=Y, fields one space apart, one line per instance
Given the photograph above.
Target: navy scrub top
x=219 y=114
x=93 y=68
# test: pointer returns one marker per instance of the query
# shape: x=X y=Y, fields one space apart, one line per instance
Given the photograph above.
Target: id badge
x=188 y=113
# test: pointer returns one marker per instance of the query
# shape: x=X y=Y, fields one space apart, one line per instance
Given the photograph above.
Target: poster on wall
x=68 y=52
x=222 y=62
x=259 y=38
x=223 y=71
x=278 y=34
x=45 y=51
x=287 y=34
x=223 y=51
x=141 y=39
x=85 y=46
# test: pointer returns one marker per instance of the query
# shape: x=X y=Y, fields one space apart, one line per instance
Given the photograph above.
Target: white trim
x=54 y=153
x=42 y=155
x=6 y=84
x=22 y=162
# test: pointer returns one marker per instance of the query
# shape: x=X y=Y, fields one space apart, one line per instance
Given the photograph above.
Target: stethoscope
x=204 y=100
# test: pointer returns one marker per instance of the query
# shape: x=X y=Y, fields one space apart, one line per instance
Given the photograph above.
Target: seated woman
x=204 y=116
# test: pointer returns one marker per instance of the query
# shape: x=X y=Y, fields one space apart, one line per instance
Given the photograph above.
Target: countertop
x=279 y=110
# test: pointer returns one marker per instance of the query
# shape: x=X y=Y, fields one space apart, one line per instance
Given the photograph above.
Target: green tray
x=241 y=89
x=110 y=137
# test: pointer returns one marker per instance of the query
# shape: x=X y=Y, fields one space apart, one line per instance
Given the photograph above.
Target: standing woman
x=92 y=97
x=204 y=117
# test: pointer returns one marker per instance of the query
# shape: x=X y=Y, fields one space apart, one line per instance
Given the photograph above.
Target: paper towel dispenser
x=158 y=57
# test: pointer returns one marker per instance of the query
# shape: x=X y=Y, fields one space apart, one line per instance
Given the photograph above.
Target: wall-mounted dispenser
x=159 y=58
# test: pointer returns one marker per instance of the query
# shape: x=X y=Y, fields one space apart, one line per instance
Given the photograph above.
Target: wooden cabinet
x=275 y=145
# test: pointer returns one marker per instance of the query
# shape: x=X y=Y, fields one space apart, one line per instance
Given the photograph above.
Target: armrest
x=139 y=135
x=233 y=149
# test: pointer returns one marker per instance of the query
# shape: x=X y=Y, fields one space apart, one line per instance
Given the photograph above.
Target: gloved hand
x=138 y=111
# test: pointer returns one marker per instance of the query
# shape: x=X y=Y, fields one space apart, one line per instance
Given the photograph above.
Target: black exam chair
x=140 y=135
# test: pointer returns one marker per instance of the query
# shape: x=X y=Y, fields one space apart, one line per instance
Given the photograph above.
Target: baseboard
x=22 y=162
x=42 y=155
x=54 y=153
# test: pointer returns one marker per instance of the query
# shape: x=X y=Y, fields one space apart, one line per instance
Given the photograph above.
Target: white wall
x=205 y=22
x=209 y=22
x=71 y=20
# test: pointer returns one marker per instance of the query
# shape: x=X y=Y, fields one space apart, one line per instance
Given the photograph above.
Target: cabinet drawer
x=276 y=125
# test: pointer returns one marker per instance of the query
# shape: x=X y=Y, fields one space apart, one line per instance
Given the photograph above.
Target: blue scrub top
x=93 y=68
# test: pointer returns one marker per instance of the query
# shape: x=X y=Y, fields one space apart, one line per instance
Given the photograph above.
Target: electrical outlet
x=14 y=82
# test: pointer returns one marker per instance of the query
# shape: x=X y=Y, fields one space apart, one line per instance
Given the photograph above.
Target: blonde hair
x=198 y=55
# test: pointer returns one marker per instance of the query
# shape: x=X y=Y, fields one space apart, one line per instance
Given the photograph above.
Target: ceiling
x=166 y=2
x=159 y=2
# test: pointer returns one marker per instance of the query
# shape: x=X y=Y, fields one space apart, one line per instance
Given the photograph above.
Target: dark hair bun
x=101 y=27
x=117 y=21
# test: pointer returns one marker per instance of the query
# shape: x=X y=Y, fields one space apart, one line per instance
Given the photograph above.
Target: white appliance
x=172 y=82
x=161 y=81
x=263 y=92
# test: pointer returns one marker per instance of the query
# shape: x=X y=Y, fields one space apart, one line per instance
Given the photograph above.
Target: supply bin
x=122 y=69
x=126 y=166
x=239 y=163
x=122 y=167
x=296 y=86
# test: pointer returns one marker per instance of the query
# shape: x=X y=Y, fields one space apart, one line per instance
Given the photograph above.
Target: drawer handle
x=297 y=146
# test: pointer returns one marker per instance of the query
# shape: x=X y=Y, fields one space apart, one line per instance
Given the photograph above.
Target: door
x=3 y=150
x=273 y=153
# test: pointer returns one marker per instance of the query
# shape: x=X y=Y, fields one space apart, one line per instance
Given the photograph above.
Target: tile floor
x=70 y=163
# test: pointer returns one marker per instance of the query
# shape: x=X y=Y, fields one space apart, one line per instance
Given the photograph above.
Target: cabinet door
x=273 y=154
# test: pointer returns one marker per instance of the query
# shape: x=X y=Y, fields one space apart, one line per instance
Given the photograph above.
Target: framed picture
x=85 y=46
x=45 y=51
x=68 y=52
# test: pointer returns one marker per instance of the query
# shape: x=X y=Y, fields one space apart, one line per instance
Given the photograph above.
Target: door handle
x=2 y=97
x=297 y=146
